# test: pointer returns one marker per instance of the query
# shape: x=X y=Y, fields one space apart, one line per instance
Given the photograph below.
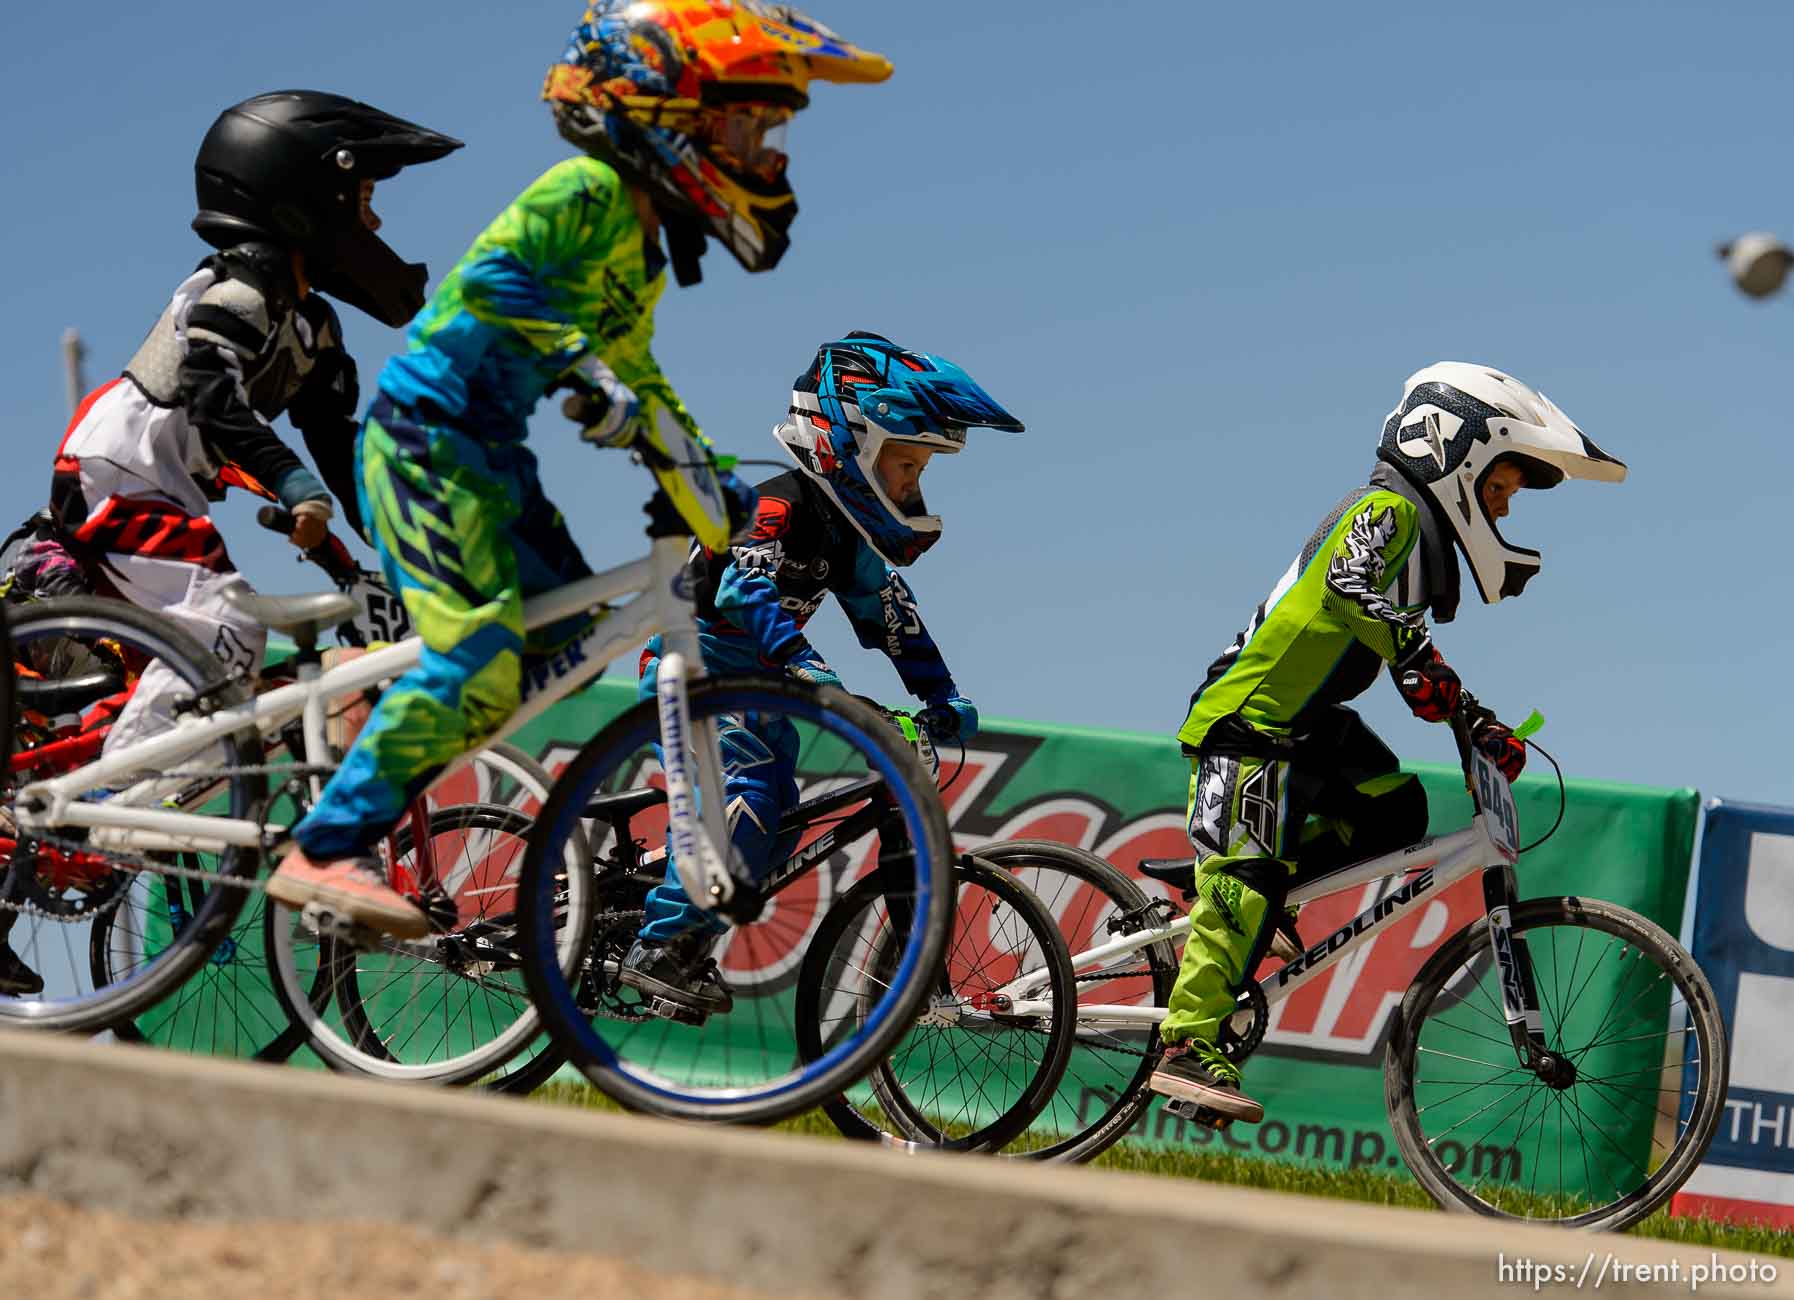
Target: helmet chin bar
x=1499 y=569
x=1516 y=578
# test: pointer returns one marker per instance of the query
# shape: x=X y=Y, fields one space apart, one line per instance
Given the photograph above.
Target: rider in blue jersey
x=865 y=419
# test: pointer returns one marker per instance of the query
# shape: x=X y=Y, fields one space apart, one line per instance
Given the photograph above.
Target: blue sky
x=1196 y=248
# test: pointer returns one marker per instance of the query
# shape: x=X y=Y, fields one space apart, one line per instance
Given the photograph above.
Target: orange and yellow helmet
x=689 y=99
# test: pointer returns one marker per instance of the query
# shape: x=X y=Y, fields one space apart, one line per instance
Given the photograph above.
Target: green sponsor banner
x=1319 y=1070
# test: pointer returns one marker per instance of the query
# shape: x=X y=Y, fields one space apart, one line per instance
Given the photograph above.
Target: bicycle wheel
x=744 y=1065
x=450 y=1008
x=1486 y=1135
x=228 y=1007
x=82 y=656
x=970 y=1074
x=1102 y=1091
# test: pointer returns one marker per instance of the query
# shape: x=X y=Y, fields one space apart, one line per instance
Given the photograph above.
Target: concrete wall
x=155 y=1133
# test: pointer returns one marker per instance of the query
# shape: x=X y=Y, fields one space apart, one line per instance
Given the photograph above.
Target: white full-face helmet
x=1455 y=421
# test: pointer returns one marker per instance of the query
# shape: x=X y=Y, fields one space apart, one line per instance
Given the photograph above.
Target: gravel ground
x=50 y=1251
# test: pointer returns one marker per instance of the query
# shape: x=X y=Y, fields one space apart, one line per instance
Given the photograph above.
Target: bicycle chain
x=124 y=858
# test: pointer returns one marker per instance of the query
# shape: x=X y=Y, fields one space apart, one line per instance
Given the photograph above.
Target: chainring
x=1237 y=1044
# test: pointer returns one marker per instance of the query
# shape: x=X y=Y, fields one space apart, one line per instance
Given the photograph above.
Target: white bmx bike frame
x=662 y=604
x=1433 y=864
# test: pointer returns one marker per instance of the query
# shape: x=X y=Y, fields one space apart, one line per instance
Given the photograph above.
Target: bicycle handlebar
x=330 y=555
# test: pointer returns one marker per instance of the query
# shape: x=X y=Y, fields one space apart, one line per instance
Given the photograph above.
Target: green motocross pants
x=1293 y=807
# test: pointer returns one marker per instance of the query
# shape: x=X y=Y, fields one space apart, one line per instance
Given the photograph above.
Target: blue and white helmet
x=861 y=393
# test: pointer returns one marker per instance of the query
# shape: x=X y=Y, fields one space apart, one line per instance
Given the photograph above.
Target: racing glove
x=1428 y=684
x=1497 y=743
x=950 y=717
x=805 y=664
x=606 y=409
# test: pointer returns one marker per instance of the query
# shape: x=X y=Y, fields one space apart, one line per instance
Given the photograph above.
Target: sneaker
x=354 y=888
x=679 y=971
x=1197 y=1072
x=16 y=978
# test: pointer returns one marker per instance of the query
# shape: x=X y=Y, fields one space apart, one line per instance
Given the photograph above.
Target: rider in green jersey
x=1283 y=777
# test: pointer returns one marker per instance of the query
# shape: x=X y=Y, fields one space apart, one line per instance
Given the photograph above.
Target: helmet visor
x=748 y=140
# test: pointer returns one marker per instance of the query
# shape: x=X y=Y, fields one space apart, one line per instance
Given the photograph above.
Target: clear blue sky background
x=1196 y=248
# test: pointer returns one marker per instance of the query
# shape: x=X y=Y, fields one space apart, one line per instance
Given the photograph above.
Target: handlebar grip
x=328 y=555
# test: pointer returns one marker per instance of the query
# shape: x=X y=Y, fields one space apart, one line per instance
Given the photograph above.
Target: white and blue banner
x=1743 y=938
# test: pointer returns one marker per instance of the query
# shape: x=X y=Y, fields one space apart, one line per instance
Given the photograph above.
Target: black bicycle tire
x=1650 y=938
x=548 y=986
x=918 y=1132
x=203 y=933
x=1113 y=1124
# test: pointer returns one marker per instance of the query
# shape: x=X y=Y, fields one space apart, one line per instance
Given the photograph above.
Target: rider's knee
x=1266 y=877
x=1402 y=813
x=491 y=695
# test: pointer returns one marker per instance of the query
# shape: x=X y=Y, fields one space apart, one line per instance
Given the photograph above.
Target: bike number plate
x=1496 y=803
x=381 y=616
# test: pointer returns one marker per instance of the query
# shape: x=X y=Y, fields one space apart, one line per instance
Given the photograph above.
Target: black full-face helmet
x=287 y=167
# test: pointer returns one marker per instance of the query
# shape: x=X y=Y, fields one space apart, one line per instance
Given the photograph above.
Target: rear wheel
x=78 y=659
x=450 y=1008
x=227 y=1007
x=975 y=1069
x=1102 y=1092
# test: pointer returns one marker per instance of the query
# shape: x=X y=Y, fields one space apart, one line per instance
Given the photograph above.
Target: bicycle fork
x=693 y=831
x=1519 y=992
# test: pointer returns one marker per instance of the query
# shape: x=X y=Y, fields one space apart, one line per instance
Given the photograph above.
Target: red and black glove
x=1497 y=743
x=1428 y=684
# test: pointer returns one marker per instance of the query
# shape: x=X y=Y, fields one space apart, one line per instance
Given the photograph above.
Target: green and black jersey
x=1353 y=601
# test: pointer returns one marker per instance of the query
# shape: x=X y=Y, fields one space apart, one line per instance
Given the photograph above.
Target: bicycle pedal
x=327 y=923
x=1209 y=1119
x=678 y=1012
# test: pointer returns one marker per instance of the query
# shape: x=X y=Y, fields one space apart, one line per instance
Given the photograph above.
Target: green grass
x=1367 y=1185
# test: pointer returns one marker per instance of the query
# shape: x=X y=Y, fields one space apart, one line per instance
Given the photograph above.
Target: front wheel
x=779 y=741
x=1613 y=1133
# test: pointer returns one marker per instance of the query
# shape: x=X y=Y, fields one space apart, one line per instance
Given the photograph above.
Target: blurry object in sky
x=1758 y=263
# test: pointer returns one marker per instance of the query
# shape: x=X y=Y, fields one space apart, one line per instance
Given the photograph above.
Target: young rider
x=1283 y=776
x=673 y=106
x=865 y=419
x=285 y=183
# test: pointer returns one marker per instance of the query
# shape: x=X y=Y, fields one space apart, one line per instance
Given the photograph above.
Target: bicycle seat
x=624 y=805
x=1173 y=871
x=300 y=617
x=54 y=697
